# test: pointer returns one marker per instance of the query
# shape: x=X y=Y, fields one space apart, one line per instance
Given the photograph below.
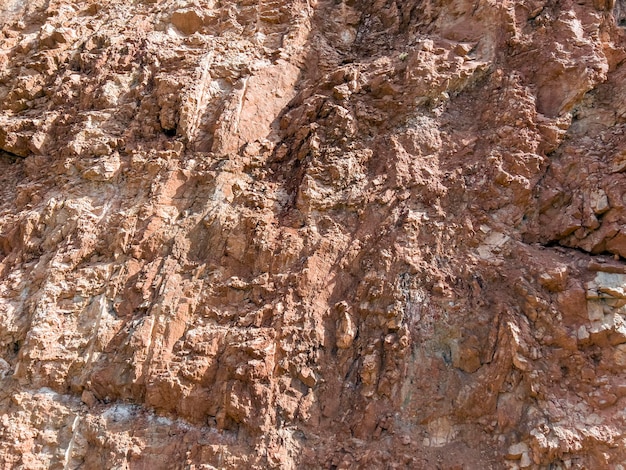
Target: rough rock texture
x=313 y=234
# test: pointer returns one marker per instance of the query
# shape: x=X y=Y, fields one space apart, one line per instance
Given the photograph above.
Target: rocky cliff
x=313 y=234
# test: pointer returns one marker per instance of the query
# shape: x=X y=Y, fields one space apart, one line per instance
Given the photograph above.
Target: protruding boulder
x=188 y=21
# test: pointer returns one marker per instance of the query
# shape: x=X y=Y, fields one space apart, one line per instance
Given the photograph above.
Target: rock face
x=312 y=234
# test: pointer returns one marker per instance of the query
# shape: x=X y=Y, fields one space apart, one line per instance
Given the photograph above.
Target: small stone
x=599 y=201
x=526 y=461
x=5 y=368
x=88 y=398
x=346 y=329
x=307 y=376
x=516 y=451
x=462 y=49
x=51 y=37
x=341 y=92
x=619 y=163
x=592 y=290
x=583 y=333
x=427 y=45
x=554 y=280
x=605 y=399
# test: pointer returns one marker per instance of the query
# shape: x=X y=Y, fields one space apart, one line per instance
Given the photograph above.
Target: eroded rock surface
x=312 y=234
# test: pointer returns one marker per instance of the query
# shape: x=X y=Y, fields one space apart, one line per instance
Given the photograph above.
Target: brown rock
x=187 y=21
x=312 y=234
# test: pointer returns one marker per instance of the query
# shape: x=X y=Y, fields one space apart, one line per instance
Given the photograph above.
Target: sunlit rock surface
x=312 y=234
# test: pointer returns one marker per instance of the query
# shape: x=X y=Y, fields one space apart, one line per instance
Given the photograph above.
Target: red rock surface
x=313 y=234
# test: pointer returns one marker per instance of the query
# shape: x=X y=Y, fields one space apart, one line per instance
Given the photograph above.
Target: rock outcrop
x=312 y=234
